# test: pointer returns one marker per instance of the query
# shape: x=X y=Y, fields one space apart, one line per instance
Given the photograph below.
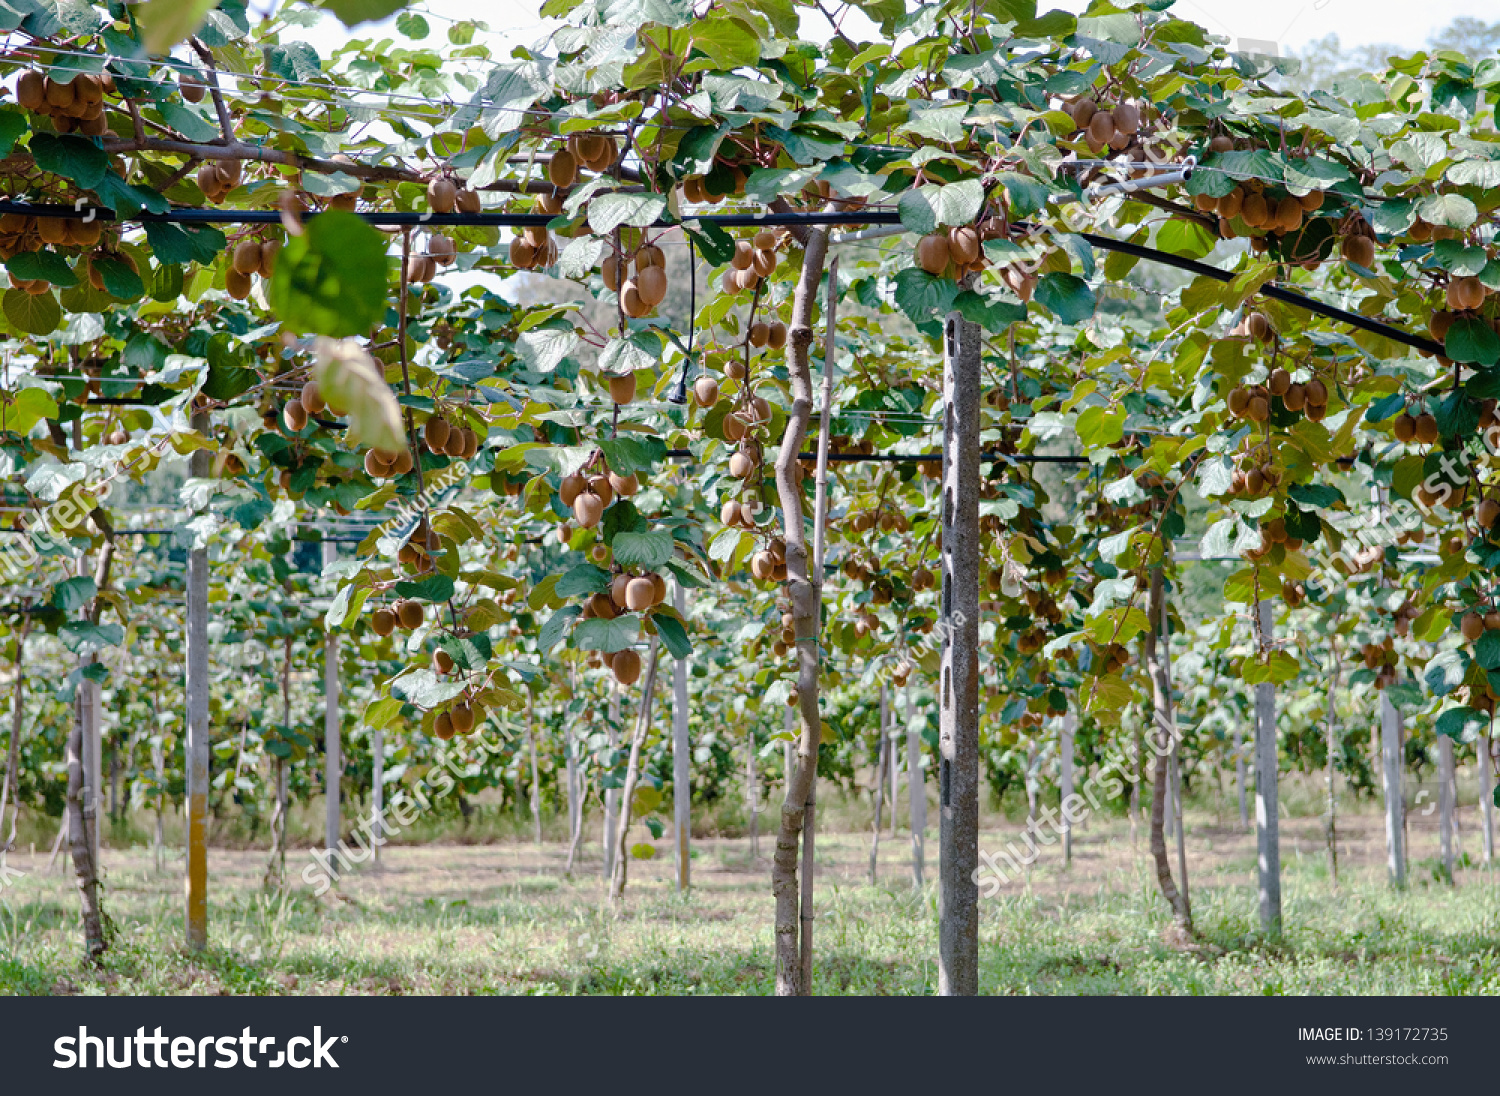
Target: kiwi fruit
x=776 y=335
x=626 y=666
x=462 y=717
x=409 y=614
x=622 y=388
x=442 y=195
x=651 y=284
x=933 y=253
x=705 y=392
x=588 y=508
x=237 y=285
x=435 y=433
x=1405 y=427
x=442 y=661
x=1427 y=428
x=571 y=487
x=294 y=415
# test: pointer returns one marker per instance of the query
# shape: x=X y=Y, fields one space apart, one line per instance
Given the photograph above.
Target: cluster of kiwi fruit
x=1382 y=658
x=420 y=547
x=595 y=151
x=251 y=256
x=955 y=253
x=1293 y=593
x=446 y=196
x=445 y=438
x=1466 y=294
x=1255 y=207
x=589 y=496
x=216 y=178
x=1110 y=658
x=307 y=405
x=533 y=248
x=1421 y=428
x=76 y=105
x=19 y=233
x=866 y=623
x=1254 y=476
x=458 y=719
x=1253 y=402
x=753 y=260
x=769 y=563
x=886 y=518
x=1357 y=243
x=1106 y=125
x=405 y=614
x=1273 y=534
x=422 y=266
x=640 y=294
x=696 y=192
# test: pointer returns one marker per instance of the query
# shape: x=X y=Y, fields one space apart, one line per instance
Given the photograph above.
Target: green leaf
x=1316 y=495
x=582 y=579
x=188 y=121
x=629 y=456
x=1451 y=210
x=556 y=626
x=1066 y=296
x=293 y=61
x=714 y=244
x=1471 y=339
x=119 y=280
x=31 y=315
x=333 y=279
x=12 y=124
x=436 y=588
x=1455 y=723
x=674 y=636
x=992 y=315
x=425 y=689
x=1186 y=238
x=84 y=637
x=29 y=407
x=610 y=211
x=164 y=23
x=642 y=549
x=73 y=594
x=1445 y=671
x=920 y=294
x=353 y=12
x=178 y=244
x=924 y=208
x=75 y=158
x=47 y=266
x=598 y=634
x=1099 y=427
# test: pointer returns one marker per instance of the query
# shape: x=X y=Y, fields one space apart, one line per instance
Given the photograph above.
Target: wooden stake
x=916 y=788
x=1267 y=822
x=682 y=772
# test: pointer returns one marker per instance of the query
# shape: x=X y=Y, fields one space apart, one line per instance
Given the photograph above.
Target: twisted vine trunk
x=10 y=786
x=632 y=776
x=805 y=591
x=1165 y=734
x=78 y=845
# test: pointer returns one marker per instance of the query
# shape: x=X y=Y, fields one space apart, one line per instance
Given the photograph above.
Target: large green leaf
x=38 y=315
x=75 y=158
x=598 y=634
x=332 y=279
x=642 y=549
x=1067 y=296
x=610 y=211
x=924 y=208
x=164 y=23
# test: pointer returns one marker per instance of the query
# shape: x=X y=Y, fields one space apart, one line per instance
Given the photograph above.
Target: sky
x=1291 y=24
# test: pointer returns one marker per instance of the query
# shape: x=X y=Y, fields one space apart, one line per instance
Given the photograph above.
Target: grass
x=502 y=918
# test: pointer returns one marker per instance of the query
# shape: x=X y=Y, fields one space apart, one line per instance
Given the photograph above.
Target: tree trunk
x=536 y=781
x=916 y=789
x=632 y=774
x=893 y=755
x=333 y=749
x=752 y=796
x=1395 y=806
x=1164 y=738
x=276 y=864
x=1267 y=770
x=1445 y=804
x=1331 y=829
x=878 y=790
x=1240 y=778
x=377 y=794
x=611 y=795
x=1065 y=781
x=958 y=689
x=1135 y=786
x=158 y=795
x=804 y=589
x=86 y=706
x=682 y=759
x=196 y=742
x=1486 y=798
x=83 y=857
x=10 y=785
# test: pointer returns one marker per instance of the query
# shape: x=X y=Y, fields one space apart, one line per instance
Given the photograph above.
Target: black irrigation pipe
x=726 y=220
x=1275 y=292
x=916 y=458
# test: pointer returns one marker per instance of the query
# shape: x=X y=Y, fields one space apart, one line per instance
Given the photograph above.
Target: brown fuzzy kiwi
x=651 y=283
x=571 y=487
x=626 y=666
x=383 y=621
x=409 y=614
x=1317 y=393
x=639 y=594
x=31 y=90
x=624 y=486
x=435 y=433
x=403 y=463
x=294 y=416
x=1359 y=250
x=744 y=254
x=622 y=388
x=1427 y=428
x=246 y=257
x=705 y=392
x=933 y=253
x=963 y=244
x=776 y=335
x=1127 y=118
x=442 y=661
x=588 y=508
x=1279 y=381
x=376 y=467
x=1295 y=398
x=1405 y=426
x=562 y=169
x=237 y=285
x=442 y=195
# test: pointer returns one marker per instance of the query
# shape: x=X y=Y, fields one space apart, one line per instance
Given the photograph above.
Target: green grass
x=502 y=918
